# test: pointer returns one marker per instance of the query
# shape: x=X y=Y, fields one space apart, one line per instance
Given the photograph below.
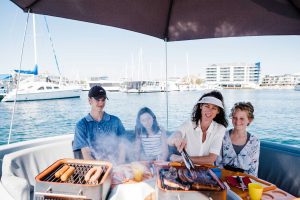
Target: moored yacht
x=5 y=83
x=40 y=90
x=3 y=92
x=141 y=86
x=297 y=87
x=108 y=85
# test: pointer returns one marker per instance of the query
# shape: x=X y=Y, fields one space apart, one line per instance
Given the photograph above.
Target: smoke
x=107 y=147
x=131 y=149
x=119 y=150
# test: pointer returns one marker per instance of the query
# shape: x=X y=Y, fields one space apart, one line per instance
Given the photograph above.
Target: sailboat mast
x=188 y=68
x=34 y=40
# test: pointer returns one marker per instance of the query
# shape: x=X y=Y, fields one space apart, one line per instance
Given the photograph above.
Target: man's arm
x=86 y=153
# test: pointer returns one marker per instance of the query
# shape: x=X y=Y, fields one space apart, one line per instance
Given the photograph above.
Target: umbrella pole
x=166 y=81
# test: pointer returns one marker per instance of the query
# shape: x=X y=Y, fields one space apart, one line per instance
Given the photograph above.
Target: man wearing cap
x=202 y=135
x=99 y=135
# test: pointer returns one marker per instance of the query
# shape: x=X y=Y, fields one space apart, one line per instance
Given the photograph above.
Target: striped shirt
x=151 y=145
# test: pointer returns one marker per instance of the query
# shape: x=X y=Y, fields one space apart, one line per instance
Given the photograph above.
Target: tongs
x=187 y=161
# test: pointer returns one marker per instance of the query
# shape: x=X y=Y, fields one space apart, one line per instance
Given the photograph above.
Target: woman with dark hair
x=151 y=140
x=202 y=135
x=240 y=150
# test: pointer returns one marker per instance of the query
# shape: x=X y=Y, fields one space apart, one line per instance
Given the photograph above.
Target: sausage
x=175 y=164
x=89 y=174
x=181 y=176
x=175 y=184
x=61 y=171
x=93 y=174
x=67 y=174
x=187 y=175
x=97 y=174
x=199 y=186
x=193 y=174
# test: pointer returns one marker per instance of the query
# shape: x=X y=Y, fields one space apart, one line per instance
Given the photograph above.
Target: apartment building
x=236 y=75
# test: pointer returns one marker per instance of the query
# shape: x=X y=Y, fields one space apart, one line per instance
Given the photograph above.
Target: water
x=277 y=113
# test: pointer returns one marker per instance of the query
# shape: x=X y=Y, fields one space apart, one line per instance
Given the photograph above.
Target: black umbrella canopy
x=175 y=20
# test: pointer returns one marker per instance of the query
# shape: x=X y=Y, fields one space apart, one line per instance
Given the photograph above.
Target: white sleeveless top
x=151 y=145
x=195 y=146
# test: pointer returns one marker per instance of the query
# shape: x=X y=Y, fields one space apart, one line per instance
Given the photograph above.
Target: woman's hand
x=177 y=140
x=180 y=143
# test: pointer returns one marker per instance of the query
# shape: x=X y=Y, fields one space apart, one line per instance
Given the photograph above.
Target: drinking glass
x=255 y=191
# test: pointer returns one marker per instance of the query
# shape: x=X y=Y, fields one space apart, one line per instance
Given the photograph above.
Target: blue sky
x=85 y=49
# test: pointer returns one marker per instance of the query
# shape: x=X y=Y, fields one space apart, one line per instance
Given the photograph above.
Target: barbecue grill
x=164 y=191
x=75 y=187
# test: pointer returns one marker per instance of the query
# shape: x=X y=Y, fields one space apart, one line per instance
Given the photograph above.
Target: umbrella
x=175 y=20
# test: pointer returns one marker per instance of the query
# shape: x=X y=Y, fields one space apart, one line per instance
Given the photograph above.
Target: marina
x=271 y=114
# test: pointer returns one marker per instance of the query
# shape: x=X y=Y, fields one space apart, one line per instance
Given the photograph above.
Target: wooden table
x=270 y=190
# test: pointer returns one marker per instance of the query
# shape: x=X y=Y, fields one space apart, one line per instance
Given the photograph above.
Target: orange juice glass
x=255 y=191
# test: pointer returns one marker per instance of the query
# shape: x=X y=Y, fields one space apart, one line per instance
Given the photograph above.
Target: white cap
x=212 y=100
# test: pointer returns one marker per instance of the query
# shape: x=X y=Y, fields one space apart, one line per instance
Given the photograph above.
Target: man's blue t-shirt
x=103 y=138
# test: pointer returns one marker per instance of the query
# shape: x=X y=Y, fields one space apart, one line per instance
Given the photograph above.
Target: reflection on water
x=277 y=113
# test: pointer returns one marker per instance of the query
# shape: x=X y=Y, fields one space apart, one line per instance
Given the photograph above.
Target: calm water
x=277 y=113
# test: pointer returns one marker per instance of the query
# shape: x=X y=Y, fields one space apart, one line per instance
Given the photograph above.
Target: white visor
x=212 y=100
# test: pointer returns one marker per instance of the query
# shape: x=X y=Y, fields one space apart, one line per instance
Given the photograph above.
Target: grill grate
x=77 y=177
x=57 y=198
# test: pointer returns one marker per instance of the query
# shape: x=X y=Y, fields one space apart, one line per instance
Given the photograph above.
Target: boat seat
x=6 y=149
x=279 y=164
x=20 y=168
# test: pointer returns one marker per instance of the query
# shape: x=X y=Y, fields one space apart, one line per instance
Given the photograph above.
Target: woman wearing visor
x=202 y=135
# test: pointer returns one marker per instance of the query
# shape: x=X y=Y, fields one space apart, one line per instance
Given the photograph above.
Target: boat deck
x=21 y=162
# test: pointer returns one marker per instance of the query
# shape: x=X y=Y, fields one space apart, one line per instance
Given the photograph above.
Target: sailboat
x=36 y=87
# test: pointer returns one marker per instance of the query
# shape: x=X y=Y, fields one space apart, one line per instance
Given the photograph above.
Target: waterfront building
x=280 y=81
x=236 y=75
x=105 y=82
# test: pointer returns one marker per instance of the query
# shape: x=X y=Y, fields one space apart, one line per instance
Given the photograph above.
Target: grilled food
x=93 y=174
x=199 y=186
x=175 y=184
x=61 y=171
x=67 y=174
x=181 y=178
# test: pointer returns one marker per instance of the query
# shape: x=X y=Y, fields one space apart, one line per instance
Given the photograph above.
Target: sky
x=84 y=50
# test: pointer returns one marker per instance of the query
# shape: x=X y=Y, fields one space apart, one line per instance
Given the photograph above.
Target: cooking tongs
x=187 y=161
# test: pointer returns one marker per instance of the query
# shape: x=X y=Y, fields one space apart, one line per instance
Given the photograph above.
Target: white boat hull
x=32 y=90
x=44 y=95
